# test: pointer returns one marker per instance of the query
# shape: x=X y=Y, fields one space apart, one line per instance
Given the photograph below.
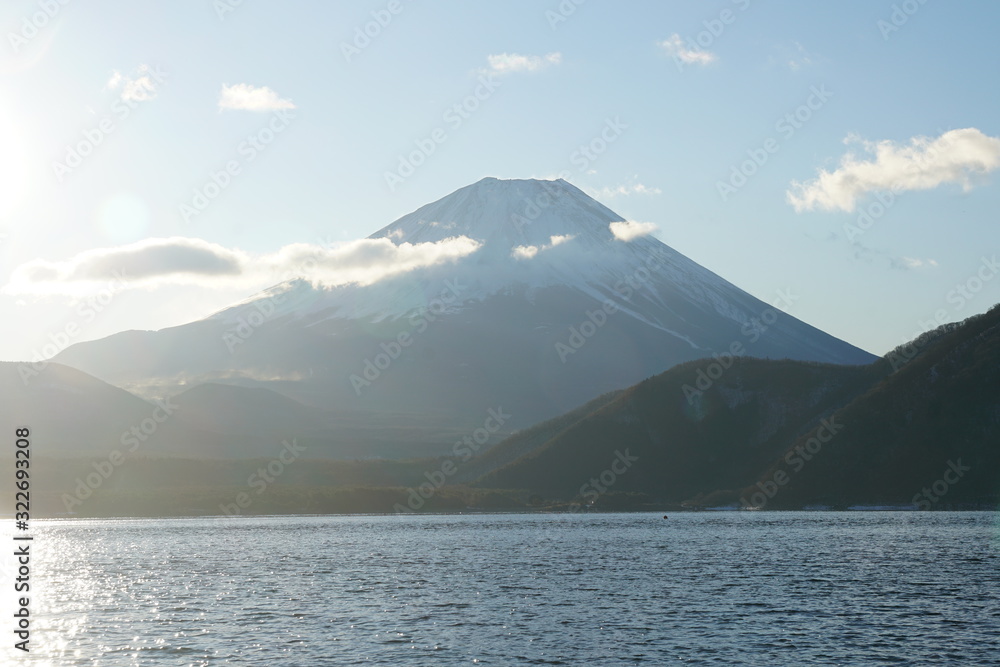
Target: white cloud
x=674 y=46
x=506 y=63
x=179 y=259
x=529 y=251
x=138 y=89
x=625 y=191
x=923 y=164
x=914 y=263
x=630 y=229
x=248 y=98
x=524 y=251
x=171 y=261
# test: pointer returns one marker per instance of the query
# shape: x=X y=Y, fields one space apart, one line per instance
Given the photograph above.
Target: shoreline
x=856 y=509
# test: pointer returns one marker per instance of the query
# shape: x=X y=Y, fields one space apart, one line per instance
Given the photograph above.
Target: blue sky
x=879 y=95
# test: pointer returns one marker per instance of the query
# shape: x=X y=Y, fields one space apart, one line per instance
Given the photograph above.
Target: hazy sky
x=844 y=152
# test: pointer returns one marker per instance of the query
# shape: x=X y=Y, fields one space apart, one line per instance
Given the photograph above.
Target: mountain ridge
x=788 y=434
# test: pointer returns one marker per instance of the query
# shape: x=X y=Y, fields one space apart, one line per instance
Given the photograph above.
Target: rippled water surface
x=609 y=589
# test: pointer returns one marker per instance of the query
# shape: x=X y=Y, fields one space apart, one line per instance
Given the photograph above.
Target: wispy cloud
x=138 y=88
x=922 y=164
x=674 y=46
x=795 y=56
x=625 y=191
x=245 y=97
x=507 y=63
x=630 y=229
x=188 y=261
x=911 y=263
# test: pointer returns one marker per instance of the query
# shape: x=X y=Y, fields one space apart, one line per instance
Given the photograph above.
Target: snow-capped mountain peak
x=533 y=234
x=537 y=234
x=505 y=214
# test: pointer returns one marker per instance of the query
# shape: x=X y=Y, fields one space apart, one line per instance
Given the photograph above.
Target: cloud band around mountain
x=529 y=251
x=188 y=261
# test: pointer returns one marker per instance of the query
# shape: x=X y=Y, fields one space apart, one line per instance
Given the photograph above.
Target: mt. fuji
x=558 y=300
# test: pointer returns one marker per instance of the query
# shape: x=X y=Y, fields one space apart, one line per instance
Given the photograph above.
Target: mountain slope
x=552 y=310
x=688 y=442
x=927 y=435
x=73 y=414
x=790 y=434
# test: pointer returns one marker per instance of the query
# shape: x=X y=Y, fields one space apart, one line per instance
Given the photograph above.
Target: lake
x=532 y=589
